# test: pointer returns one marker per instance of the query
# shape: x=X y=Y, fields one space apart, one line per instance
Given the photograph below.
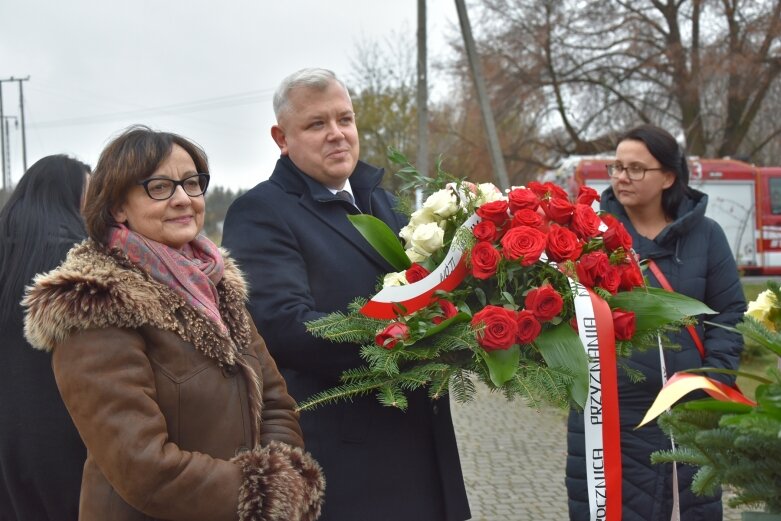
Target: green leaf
x=502 y=364
x=455 y=319
x=481 y=297
x=395 y=156
x=508 y=298
x=711 y=404
x=731 y=372
x=561 y=348
x=656 y=307
x=382 y=239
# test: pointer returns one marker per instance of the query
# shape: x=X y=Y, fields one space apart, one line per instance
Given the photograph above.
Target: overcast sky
x=205 y=69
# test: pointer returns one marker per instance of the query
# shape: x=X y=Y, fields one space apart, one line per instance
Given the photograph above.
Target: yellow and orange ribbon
x=682 y=384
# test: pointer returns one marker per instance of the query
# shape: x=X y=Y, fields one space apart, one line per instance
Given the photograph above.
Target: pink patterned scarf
x=192 y=272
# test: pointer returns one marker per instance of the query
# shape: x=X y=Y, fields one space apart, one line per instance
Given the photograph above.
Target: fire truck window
x=775 y=196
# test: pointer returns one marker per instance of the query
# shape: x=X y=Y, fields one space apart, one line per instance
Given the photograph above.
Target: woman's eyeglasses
x=161 y=188
x=633 y=172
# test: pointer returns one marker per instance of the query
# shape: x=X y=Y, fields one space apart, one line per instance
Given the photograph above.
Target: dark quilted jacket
x=694 y=255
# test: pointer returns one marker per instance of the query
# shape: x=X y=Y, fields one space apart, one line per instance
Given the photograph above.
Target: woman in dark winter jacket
x=41 y=454
x=182 y=409
x=649 y=194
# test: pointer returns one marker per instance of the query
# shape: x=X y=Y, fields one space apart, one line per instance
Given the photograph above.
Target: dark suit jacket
x=304 y=259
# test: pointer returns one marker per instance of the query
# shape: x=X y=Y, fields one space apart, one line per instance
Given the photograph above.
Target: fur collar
x=98 y=288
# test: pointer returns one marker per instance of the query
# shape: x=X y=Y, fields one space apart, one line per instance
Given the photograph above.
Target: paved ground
x=513 y=460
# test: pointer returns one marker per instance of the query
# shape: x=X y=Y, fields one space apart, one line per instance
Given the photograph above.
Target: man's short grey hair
x=311 y=77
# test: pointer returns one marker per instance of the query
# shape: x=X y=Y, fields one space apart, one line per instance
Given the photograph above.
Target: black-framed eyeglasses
x=633 y=172
x=162 y=188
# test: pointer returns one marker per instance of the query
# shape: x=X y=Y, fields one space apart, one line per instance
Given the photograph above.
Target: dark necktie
x=345 y=195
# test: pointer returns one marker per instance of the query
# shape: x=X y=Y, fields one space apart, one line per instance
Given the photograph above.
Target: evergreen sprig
x=760 y=334
x=733 y=444
x=350 y=327
x=444 y=362
x=462 y=386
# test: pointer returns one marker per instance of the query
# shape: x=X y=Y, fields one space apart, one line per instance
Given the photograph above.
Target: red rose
x=500 y=329
x=485 y=259
x=624 y=324
x=495 y=211
x=415 y=273
x=528 y=327
x=558 y=210
x=587 y=195
x=449 y=310
x=527 y=217
x=547 y=190
x=631 y=276
x=522 y=198
x=555 y=191
x=390 y=336
x=563 y=244
x=585 y=221
x=524 y=243
x=540 y=190
x=608 y=219
x=591 y=266
x=611 y=279
x=544 y=302
x=485 y=231
x=616 y=236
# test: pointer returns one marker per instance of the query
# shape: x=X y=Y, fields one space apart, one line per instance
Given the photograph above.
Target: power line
x=231 y=100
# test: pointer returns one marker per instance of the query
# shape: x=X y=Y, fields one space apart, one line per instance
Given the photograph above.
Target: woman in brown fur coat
x=182 y=409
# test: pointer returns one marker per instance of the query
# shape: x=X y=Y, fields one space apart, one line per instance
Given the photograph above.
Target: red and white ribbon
x=600 y=414
x=403 y=300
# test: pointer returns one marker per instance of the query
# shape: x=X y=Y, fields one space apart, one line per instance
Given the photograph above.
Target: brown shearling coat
x=180 y=422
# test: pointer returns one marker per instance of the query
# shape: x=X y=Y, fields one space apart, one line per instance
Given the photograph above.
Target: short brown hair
x=131 y=157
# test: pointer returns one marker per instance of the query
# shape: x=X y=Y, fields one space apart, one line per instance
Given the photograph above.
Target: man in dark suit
x=304 y=259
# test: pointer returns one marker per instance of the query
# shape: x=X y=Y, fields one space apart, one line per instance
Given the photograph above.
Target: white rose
x=414 y=256
x=442 y=203
x=406 y=233
x=422 y=216
x=394 y=279
x=428 y=238
x=761 y=307
x=488 y=193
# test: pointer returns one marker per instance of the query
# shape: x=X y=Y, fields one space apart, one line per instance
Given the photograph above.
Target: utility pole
x=422 y=96
x=24 y=134
x=7 y=151
x=2 y=139
x=500 y=171
x=21 y=113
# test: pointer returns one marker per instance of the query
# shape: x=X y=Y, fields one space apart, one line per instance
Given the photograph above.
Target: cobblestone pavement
x=513 y=459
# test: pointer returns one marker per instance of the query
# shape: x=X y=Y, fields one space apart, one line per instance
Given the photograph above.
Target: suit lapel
x=317 y=200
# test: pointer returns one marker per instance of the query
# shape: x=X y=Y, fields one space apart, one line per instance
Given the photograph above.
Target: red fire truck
x=744 y=199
